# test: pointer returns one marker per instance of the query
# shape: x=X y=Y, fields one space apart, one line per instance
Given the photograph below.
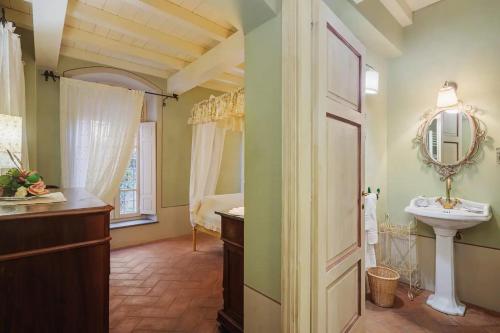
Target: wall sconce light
x=447 y=96
x=371 y=80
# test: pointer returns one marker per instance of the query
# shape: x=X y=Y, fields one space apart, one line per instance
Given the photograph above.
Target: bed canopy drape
x=227 y=111
x=211 y=119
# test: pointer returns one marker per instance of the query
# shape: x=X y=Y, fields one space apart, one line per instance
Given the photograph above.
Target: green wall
x=454 y=40
x=231 y=166
x=376 y=135
x=263 y=159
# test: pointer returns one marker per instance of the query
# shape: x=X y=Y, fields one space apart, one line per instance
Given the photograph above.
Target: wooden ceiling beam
x=99 y=17
x=48 y=25
x=236 y=71
x=400 y=10
x=84 y=37
x=219 y=86
x=229 y=78
x=213 y=63
x=185 y=16
x=112 y=62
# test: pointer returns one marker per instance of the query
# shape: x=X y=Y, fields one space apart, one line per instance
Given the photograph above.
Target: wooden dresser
x=230 y=317
x=54 y=266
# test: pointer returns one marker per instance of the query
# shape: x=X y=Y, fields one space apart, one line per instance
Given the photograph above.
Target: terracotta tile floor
x=165 y=287
x=417 y=317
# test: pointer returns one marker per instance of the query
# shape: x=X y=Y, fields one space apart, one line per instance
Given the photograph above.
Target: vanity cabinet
x=54 y=266
x=230 y=317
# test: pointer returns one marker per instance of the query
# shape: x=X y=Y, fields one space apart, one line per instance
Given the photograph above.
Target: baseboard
x=262 y=314
x=477 y=272
x=172 y=222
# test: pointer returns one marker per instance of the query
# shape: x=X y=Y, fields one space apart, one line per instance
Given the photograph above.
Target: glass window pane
x=129 y=180
x=128 y=202
x=10 y=138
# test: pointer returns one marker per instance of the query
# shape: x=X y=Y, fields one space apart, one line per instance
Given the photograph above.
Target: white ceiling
x=402 y=10
x=419 y=4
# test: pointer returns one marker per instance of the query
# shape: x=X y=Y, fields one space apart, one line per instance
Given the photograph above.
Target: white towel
x=239 y=211
x=371 y=230
x=370 y=257
x=371 y=219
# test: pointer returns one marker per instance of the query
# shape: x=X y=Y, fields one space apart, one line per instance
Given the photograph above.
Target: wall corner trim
x=296 y=163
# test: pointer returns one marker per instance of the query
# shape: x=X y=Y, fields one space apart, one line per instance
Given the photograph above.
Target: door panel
x=342 y=314
x=342 y=61
x=338 y=164
x=343 y=137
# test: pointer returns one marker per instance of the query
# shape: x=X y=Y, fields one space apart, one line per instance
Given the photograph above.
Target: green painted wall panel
x=231 y=165
x=263 y=159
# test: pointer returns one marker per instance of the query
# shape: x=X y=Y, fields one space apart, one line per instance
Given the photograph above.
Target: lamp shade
x=10 y=138
x=447 y=96
x=371 y=81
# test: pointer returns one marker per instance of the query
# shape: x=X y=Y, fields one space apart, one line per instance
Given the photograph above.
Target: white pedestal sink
x=446 y=223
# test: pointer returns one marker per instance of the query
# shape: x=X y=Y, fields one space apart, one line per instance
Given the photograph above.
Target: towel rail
x=370 y=191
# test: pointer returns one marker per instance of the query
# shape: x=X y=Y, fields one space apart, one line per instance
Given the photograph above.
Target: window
x=127 y=201
x=10 y=138
x=136 y=197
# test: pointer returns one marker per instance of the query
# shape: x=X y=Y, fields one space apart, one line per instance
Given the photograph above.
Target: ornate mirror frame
x=478 y=130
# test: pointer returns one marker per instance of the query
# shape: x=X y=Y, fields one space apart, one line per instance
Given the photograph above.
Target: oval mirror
x=448 y=137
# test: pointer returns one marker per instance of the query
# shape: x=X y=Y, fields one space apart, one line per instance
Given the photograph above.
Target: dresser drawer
x=232 y=230
x=18 y=235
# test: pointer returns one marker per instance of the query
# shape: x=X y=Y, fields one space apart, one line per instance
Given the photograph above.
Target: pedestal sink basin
x=446 y=223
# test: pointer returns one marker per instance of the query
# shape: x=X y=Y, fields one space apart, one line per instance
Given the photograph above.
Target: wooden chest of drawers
x=230 y=317
x=54 y=266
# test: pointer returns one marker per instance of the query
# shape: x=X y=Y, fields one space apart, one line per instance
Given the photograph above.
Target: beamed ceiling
x=189 y=42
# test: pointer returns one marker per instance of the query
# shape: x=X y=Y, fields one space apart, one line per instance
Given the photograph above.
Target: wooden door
x=339 y=132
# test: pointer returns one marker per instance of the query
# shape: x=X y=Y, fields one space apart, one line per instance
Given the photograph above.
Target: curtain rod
x=3 y=19
x=54 y=77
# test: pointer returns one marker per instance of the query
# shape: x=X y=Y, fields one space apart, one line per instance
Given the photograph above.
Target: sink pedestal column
x=444 y=298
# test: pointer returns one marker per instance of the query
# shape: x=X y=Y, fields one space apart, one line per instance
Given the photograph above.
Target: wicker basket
x=383 y=282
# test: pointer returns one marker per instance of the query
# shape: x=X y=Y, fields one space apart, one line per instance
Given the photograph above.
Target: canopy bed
x=211 y=119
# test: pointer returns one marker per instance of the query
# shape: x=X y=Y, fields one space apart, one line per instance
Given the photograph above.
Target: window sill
x=131 y=223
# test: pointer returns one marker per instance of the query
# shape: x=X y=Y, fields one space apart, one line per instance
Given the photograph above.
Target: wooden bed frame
x=197 y=228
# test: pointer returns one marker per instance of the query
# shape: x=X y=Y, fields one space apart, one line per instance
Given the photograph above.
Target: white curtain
x=12 y=99
x=206 y=156
x=98 y=127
